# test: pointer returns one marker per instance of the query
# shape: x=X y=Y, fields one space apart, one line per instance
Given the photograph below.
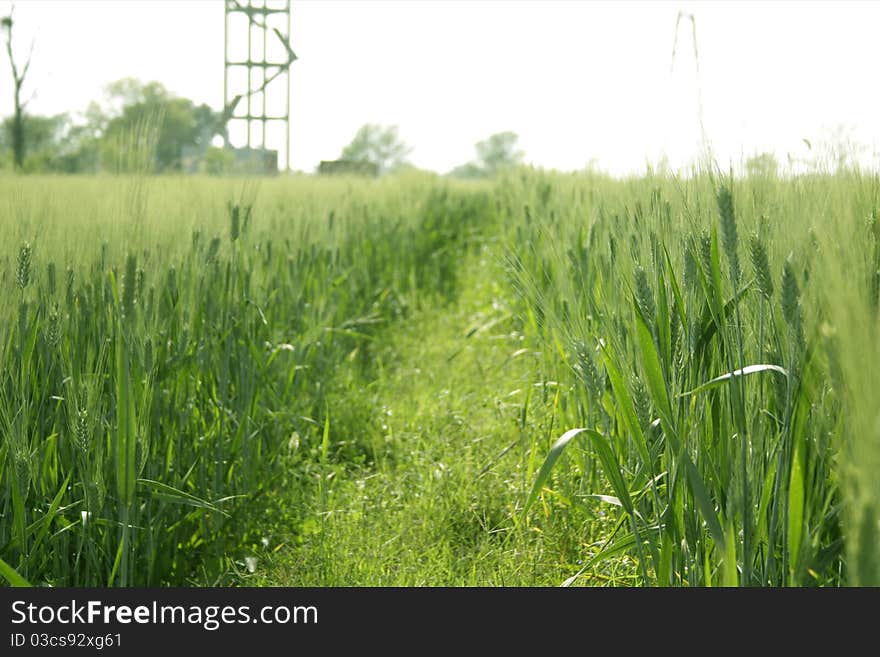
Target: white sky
x=577 y=81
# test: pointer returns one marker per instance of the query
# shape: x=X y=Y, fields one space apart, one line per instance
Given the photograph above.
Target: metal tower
x=256 y=81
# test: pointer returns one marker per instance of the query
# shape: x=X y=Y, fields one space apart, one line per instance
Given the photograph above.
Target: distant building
x=258 y=161
x=230 y=161
x=348 y=168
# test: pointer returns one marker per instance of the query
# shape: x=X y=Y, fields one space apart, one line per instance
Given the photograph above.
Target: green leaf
x=715 y=273
x=46 y=521
x=745 y=371
x=11 y=576
x=796 y=505
x=625 y=542
x=663 y=324
x=611 y=468
x=664 y=573
x=547 y=467
x=709 y=327
x=762 y=529
x=704 y=503
x=609 y=549
x=653 y=371
x=729 y=573
x=125 y=446
x=325 y=440
x=676 y=291
x=608 y=499
x=172 y=494
x=126 y=440
x=626 y=406
x=117 y=561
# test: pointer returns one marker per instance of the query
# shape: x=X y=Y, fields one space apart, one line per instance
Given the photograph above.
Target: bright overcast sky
x=577 y=81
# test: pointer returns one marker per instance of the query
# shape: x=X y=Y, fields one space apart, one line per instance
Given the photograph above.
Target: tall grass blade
x=745 y=371
x=547 y=467
x=10 y=575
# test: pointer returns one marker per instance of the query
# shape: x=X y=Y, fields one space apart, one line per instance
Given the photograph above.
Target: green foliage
x=738 y=471
x=180 y=134
x=46 y=139
x=218 y=161
x=468 y=171
x=378 y=145
x=496 y=154
x=763 y=165
x=184 y=129
x=146 y=412
x=373 y=376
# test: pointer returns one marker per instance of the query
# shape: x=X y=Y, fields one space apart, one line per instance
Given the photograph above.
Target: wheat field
x=538 y=380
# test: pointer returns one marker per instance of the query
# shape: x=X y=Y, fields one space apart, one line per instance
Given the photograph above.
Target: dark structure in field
x=258 y=161
x=263 y=26
x=348 y=168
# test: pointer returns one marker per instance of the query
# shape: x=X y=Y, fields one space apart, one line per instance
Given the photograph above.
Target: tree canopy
x=494 y=154
x=163 y=131
x=177 y=127
x=46 y=147
x=142 y=126
x=378 y=145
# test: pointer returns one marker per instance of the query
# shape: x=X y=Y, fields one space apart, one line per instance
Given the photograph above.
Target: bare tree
x=18 y=78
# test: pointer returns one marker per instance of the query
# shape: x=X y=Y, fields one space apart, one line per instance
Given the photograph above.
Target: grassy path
x=449 y=422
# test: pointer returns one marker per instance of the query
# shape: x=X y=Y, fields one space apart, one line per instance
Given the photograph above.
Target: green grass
x=148 y=395
x=450 y=410
x=726 y=428
x=346 y=382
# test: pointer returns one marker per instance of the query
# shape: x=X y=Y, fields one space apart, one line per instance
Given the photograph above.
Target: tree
x=18 y=78
x=378 y=145
x=46 y=138
x=763 y=165
x=177 y=129
x=137 y=126
x=495 y=154
x=499 y=152
x=469 y=170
